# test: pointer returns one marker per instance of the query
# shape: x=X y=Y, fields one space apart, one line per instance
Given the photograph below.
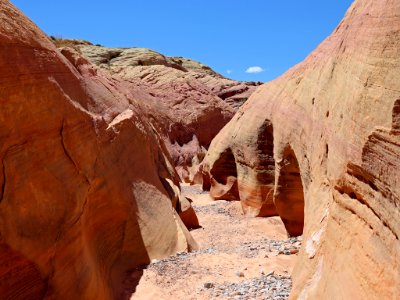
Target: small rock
x=208 y=285
x=270 y=273
x=239 y=274
x=294 y=251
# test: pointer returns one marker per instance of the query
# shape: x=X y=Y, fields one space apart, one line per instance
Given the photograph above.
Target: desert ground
x=238 y=257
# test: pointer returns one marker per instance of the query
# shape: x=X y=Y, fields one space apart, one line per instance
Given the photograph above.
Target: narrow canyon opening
x=131 y=174
x=239 y=257
x=289 y=194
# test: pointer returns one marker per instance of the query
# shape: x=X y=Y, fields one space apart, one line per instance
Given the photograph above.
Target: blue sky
x=228 y=35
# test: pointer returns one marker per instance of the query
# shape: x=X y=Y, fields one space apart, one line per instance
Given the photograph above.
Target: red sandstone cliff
x=319 y=146
x=87 y=188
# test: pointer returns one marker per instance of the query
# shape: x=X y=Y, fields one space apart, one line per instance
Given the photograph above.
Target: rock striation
x=88 y=192
x=319 y=146
x=187 y=102
x=131 y=63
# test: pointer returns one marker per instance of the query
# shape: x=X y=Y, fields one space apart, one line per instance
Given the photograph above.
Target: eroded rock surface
x=132 y=63
x=335 y=152
x=187 y=102
x=87 y=188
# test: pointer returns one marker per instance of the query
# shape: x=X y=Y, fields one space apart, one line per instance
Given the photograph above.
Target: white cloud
x=229 y=71
x=254 y=70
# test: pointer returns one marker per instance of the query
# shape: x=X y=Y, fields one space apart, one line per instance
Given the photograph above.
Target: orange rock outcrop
x=87 y=190
x=187 y=102
x=319 y=146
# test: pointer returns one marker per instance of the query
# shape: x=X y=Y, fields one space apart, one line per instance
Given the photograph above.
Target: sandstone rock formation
x=187 y=101
x=87 y=189
x=131 y=63
x=315 y=146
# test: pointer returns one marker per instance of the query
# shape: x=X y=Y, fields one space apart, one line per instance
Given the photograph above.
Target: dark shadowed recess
x=289 y=194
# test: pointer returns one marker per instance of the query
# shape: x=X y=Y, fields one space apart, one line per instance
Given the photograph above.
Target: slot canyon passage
x=129 y=174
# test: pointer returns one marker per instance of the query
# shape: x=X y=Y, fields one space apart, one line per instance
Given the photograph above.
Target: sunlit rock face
x=334 y=128
x=87 y=189
x=187 y=101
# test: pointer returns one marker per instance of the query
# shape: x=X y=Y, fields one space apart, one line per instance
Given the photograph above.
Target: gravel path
x=265 y=287
x=239 y=258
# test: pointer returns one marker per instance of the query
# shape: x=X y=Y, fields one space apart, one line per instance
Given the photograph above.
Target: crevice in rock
x=79 y=216
x=112 y=55
x=365 y=179
x=333 y=70
x=85 y=178
x=224 y=177
x=228 y=93
x=224 y=167
x=360 y=200
x=67 y=226
x=289 y=194
x=351 y=192
x=3 y=184
x=68 y=155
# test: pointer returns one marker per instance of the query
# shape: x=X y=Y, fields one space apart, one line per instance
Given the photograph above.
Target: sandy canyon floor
x=239 y=257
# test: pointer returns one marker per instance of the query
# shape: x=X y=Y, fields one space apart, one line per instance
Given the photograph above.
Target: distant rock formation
x=87 y=189
x=187 y=101
x=131 y=63
x=319 y=146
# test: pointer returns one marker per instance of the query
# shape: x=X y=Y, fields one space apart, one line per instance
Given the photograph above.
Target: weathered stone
x=187 y=102
x=334 y=123
x=82 y=200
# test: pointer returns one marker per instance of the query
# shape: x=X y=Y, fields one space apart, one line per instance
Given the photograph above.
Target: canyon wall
x=88 y=190
x=319 y=146
x=186 y=101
